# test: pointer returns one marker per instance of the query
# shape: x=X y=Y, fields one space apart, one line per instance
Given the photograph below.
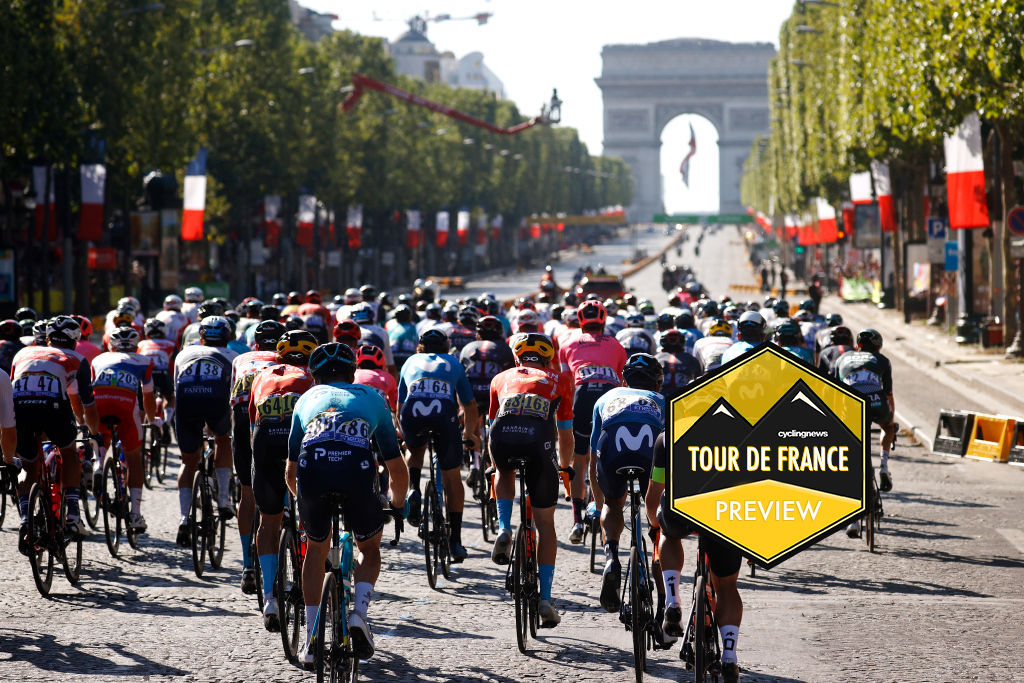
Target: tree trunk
x=1009 y=200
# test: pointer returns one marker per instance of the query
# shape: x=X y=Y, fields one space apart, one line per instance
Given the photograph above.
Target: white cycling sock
x=730 y=634
x=311 y=611
x=364 y=590
x=223 y=486
x=885 y=461
x=671 y=578
x=184 y=500
x=136 y=494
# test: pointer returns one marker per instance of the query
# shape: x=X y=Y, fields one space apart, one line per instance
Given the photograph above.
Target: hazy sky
x=535 y=45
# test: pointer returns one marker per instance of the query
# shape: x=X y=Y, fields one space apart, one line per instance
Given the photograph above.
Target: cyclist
x=270 y=404
x=430 y=390
x=686 y=323
x=370 y=333
x=750 y=331
x=193 y=297
x=483 y=360
x=10 y=344
x=292 y=307
x=120 y=317
x=8 y=428
x=724 y=563
x=348 y=333
x=202 y=390
x=190 y=335
x=120 y=376
x=370 y=372
x=173 y=319
x=402 y=335
x=636 y=339
x=313 y=306
x=85 y=347
x=244 y=369
x=329 y=453
x=161 y=351
x=679 y=367
x=790 y=338
x=710 y=349
x=839 y=342
x=52 y=387
x=250 y=310
x=626 y=422
x=823 y=337
x=595 y=361
x=527 y=405
x=431 y=317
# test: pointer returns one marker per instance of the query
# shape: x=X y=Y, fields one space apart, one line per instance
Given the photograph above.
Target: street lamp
x=552 y=111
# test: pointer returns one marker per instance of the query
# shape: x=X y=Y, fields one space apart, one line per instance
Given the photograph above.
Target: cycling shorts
x=880 y=409
x=193 y=414
x=129 y=425
x=515 y=436
x=52 y=420
x=341 y=472
x=723 y=559
x=241 y=446
x=420 y=416
x=163 y=385
x=483 y=400
x=269 y=455
x=614 y=453
x=583 y=401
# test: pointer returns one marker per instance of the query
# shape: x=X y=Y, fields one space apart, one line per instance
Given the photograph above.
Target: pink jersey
x=160 y=350
x=593 y=358
x=244 y=369
x=382 y=381
x=119 y=376
x=87 y=349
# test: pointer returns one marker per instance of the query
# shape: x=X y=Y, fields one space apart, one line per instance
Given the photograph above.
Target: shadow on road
x=44 y=652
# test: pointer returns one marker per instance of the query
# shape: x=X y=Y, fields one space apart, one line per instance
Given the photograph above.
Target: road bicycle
x=871 y=522
x=637 y=610
x=522 y=579
x=92 y=479
x=206 y=526
x=483 y=489
x=434 y=529
x=114 y=496
x=291 y=608
x=48 y=538
x=8 y=489
x=701 y=650
x=154 y=455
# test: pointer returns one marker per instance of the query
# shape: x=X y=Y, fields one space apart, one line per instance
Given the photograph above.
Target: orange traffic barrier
x=991 y=438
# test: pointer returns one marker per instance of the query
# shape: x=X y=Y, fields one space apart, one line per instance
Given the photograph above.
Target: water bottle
x=591 y=510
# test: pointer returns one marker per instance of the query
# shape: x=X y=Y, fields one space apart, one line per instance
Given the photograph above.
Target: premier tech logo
x=768 y=454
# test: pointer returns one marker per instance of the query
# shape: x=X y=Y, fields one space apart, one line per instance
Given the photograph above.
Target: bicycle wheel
x=290 y=606
x=700 y=651
x=327 y=646
x=217 y=527
x=443 y=548
x=530 y=581
x=427 y=533
x=3 y=494
x=40 y=538
x=90 y=499
x=148 y=464
x=518 y=592
x=869 y=528
x=485 y=509
x=638 y=624
x=197 y=522
x=162 y=469
x=71 y=557
x=594 y=526
x=111 y=504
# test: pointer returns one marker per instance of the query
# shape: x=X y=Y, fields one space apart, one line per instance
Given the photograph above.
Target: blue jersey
x=800 y=352
x=429 y=376
x=403 y=340
x=737 y=350
x=623 y=405
x=348 y=413
x=692 y=334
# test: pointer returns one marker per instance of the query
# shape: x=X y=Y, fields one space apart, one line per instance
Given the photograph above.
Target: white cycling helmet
x=194 y=294
x=172 y=302
x=353 y=296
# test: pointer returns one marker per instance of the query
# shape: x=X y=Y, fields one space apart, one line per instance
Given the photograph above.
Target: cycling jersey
x=403 y=340
x=7 y=350
x=161 y=351
x=118 y=380
x=709 y=351
x=382 y=382
x=429 y=390
x=424 y=325
x=483 y=360
x=309 y=309
x=692 y=334
x=636 y=340
x=314 y=324
x=870 y=374
x=43 y=379
x=174 y=323
x=800 y=352
x=190 y=335
x=244 y=369
x=202 y=388
x=626 y=424
x=459 y=336
x=374 y=335
x=679 y=369
x=243 y=326
x=829 y=354
x=595 y=362
x=737 y=350
x=87 y=349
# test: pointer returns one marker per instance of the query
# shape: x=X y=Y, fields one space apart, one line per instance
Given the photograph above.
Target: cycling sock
x=505 y=513
x=455 y=520
x=268 y=567
x=136 y=494
x=671 y=578
x=546 y=574
x=23 y=507
x=246 y=552
x=311 y=611
x=223 y=487
x=185 y=500
x=414 y=478
x=611 y=551
x=71 y=494
x=885 y=461
x=168 y=414
x=730 y=634
x=578 y=506
x=364 y=591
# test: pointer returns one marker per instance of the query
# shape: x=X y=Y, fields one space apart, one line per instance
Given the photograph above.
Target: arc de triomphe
x=646 y=86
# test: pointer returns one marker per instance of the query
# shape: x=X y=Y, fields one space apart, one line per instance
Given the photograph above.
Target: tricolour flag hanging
x=684 y=168
x=44 y=206
x=307 y=215
x=462 y=226
x=827 y=228
x=965 y=176
x=414 y=225
x=535 y=231
x=481 y=229
x=354 y=226
x=860 y=188
x=90 y=220
x=272 y=219
x=195 y=198
x=496 y=227
x=441 y=229
x=792 y=226
x=883 y=190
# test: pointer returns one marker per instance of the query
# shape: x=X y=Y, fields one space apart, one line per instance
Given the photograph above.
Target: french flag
x=965 y=176
x=481 y=229
x=307 y=214
x=441 y=229
x=44 y=206
x=90 y=220
x=354 y=226
x=496 y=227
x=462 y=226
x=883 y=190
x=414 y=225
x=195 y=198
x=272 y=219
x=860 y=188
x=826 y=220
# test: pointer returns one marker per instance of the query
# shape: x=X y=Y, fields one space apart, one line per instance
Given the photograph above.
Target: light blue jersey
x=737 y=350
x=623 y=405
x=434 y=375
x=347 y=413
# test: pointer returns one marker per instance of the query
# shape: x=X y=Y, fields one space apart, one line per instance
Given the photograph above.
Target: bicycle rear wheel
x=149 y=462
x=530 y=581
x=518 y=592
x=40 y=539
x=443 y=548
x=700 y=651
x=290 y=605
x=638 y=624
x=217 y=527
x=90 y=498
x=4 y=485
x=111 y=504
x=255 y=555
x=594 y=527
x=71 y=558
x=197 y=521
x=427 y=533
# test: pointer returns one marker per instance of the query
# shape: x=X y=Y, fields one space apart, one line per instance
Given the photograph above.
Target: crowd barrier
x=993 y=438
x=1017 y=445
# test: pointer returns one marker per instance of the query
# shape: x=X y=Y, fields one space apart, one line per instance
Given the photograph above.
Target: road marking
x=1015 y=537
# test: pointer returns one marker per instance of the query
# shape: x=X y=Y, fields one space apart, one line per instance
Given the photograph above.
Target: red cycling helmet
x=86 y=325
x=347 y=329
x=370 y=357
x=591 y=313
x=312 y=297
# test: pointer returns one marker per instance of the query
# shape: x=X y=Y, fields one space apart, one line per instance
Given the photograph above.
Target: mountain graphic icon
x=721 y=425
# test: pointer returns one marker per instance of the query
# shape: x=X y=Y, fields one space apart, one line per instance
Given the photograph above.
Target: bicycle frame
x=521 y=578
x=703 y=655
x=638 y=618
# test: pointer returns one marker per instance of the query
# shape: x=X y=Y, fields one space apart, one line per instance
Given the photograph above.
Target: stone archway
x=646 y=86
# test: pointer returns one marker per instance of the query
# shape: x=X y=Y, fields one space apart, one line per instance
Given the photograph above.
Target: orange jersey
x=532 y=392
x=275 y=391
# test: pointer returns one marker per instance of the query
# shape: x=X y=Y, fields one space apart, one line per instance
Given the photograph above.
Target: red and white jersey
x=119 y=376
x=190 y=309
x=593 y=358
x=46 y=373
x=160 y=350
x=275 y=391
x=382 y=382
x=174 y=322
x=244 y=369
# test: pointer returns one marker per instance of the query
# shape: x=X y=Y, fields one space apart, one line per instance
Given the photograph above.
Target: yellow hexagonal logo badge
x=768 y=454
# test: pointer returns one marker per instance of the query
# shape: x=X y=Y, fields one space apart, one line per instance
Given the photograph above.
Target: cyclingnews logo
x=767 y=454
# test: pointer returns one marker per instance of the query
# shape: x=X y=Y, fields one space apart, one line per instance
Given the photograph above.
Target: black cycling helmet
x=710 y=309
x=469 y=316
x=666 y=321
x=28 y=325
x=369 y=292
x=787 y=333
x=869 y=339
x=267 y=334
x=10 y=330
x=215 y=330
x=294 y=322
x=809 y=305
x=331 y=359
x=253 y=307
x=833 y=319
x=294 y=298
x=685 y=321
x=403 y=314
x=26 y=313
x=270 y=312
x=781 y=308
x=433 y=311
x=434 y=341
x=208 y=308
x=296 y=347
x=279 y=299
x=750 y=327
x=490 y=328
x=643 y=371
x=841 y=335
x=672 y=340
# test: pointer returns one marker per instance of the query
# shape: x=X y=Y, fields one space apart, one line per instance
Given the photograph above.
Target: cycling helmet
x=630 y=299
x=27 y=325
x=833 y=319
x=672 y=340
x=533 y=348
x=433 y=311
x=693 y=289
x=209 y=308
x=710 y=309
x=267 y=334
x=312 y=297
x=591 y=313
x=39 y=332
x=294 y=322
x=719 y=328
x=352 y=296
x=63 y=329
x=555 y=311
x=253 y=307
x=490 y=328
x=732 y=313
x=26 y=313
x=685 y=321
x=769 y=302
x=753 y=306
x=402 y=300
x=296 y=346
x=634 y=320
x=841 y=335
x=665 y=321
x=368 y=292
x=193 y=294
x=172 y=302
x=645 y=307
x=279 y=299
x=751 y=326
x=869 y=339
x=384 y=299
x=331 y=358
x=525 y=302
x=403 y=314
x=450 y=313
x=781 y=308
x=154 y=328
x=370 y=357
x=611 y=307
x=347 y=329
x=124 y=339
x=527 y=319
x=233 y=316
x=643 y=371
x=123 y=317
x=803 y=316
x=362 y=314
x=216 y=329
x=434 y=341
x=809 y=305
x=294 y=298
x=270 y=312
x=10 y=330
x=85 y=324
x=469 y=316
x=787 y=333
x=129 y=302
x=488 y=296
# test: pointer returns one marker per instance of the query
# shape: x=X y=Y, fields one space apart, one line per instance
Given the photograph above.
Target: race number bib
x=596 y=373
x=202 y=370
x=113 y=378
x=428 y=387
x=276 y=408
x=37 y=385
x=337 y=427
x=527 y=405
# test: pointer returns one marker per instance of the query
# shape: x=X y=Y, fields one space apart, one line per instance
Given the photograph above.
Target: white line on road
x=1015 y=537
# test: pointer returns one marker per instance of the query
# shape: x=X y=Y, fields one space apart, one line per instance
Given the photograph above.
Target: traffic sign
x=936 y=239
x=952 y=257
x=768 y=455
x=1015 y=220
x=936 y=228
